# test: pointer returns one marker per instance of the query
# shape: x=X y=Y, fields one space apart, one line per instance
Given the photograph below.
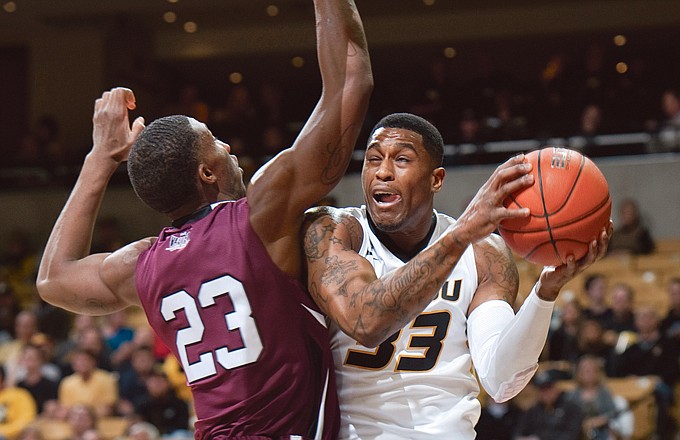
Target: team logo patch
x=178 y=241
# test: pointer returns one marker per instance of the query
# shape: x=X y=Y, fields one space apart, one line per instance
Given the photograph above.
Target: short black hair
x=432 y=138
x=163 y=163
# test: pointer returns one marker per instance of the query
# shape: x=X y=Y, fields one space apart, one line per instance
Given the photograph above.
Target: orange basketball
x=569 y=203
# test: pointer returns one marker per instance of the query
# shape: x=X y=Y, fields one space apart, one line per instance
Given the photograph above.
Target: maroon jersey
x=252 y=343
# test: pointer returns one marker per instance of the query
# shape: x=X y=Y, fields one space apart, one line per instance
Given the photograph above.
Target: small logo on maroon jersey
x=178 y=241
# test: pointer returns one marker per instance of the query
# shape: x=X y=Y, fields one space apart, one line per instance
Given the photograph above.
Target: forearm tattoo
x=337 y=156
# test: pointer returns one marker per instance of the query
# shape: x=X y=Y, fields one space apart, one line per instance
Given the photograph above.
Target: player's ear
x=438 y=179
x=205 y=174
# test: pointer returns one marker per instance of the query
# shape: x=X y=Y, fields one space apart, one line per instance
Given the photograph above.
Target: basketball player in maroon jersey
x=221 y=287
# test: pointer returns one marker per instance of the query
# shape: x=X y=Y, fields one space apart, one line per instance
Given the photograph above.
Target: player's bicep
x=335 y=271
x=77 y=286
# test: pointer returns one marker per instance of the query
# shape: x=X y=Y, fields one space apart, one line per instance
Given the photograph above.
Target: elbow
x=359 y=82
x=364 y=86
x=46 y=289
x=368 y=340
x=372 y=335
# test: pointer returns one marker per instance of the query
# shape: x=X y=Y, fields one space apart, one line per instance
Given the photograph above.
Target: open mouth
x=386 y=197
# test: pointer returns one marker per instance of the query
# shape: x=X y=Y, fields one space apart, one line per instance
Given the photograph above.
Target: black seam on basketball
x=561 y=225
x=546 y=216
x=573 y=185
x=587 y=214
x=564 y=240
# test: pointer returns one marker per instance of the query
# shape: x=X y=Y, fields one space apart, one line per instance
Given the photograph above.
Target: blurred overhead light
x=620 y=40
x=9 y=7
x=450 y=52
x=190 y=27
x=621 y=67
x=429 y=2
x=170 y=17
x=272 y=10
x=297 y=62
x=235 y=77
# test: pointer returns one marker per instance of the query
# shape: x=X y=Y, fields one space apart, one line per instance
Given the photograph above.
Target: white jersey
x=418 y=383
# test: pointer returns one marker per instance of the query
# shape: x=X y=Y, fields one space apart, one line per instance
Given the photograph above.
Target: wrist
x=102 y=161
x=545 y=294
x=458 y=238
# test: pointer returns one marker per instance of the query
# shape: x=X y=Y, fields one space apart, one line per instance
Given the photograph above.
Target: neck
x=404 y=246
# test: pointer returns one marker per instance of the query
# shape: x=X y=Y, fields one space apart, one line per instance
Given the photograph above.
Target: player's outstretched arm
x=299 y=176
x=370 y=309
x=505 y=346
x=68 y=276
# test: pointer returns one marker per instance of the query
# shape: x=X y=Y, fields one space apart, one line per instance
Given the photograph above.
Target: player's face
x=399 y=180
x=224 y=165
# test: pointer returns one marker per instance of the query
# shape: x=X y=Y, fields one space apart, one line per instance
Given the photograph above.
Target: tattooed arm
x=345 y=286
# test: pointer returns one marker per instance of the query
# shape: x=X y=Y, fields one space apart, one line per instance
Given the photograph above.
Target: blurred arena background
x=446 y=60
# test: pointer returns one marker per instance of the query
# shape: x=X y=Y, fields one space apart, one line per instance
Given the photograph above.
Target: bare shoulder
x=325 y=226
x=496 y=270
x=118 y=269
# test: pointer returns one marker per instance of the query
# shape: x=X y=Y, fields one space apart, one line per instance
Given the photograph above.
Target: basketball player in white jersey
x=425 y=297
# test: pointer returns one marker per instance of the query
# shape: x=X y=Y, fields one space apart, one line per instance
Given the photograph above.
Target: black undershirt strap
x=196 y=215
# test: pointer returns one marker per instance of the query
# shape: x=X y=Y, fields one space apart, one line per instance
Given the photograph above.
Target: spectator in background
x=88 y=385
x=594 y=398
x=592 y=342
x=497 y=421
x=595 y=287
x=670 y=326
x=631 y=236
x=116 y=334
x=64 y=347
x=653 y=354
x=163 y=408
x=143 y=431
x=82 y=419
x=589 y=127
x=9 y=309
x=108 y=235
x=622 y=321
x=20 y=260
x=553 y=416
x=31 y=432
x=668 y=129
x=17 y=409
x=190 y=103
x=563 y=341
x=48 y=136
x=132 y=380
x=25 y=327
x=237 y=117
x=92 y=341
x=42 y=386
x=469 y=129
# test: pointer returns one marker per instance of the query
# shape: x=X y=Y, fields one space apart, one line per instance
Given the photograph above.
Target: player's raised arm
x=69 y=276
x=299 y=176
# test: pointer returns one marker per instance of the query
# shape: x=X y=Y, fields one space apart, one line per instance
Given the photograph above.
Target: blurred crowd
x=75 y=372
x=573 y=97
x=67 y=376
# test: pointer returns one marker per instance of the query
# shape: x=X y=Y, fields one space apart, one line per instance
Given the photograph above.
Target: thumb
x=137 y=127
